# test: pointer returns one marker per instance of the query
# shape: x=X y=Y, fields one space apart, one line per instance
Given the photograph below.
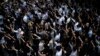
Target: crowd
x=49 y=28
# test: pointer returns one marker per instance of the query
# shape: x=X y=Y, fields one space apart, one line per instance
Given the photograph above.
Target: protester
x=49 y=28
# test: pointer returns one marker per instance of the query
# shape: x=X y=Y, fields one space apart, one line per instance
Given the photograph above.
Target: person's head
x=58 y=48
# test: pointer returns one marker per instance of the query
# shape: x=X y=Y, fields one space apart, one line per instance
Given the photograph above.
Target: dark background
x=94 y=3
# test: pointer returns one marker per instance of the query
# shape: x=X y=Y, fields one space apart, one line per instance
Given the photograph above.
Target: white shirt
x=39 y=14
x=2 y=41
x=30 y=15
x=77 y=28
x=17 y=12
x=57 y=44
x=60 y=11
x=90 y=33
x=73 y=53
x=50 y=44
x=41 y=46
x=66 y=10
x=61 y=20
x=73 y=11
x=24 y=4
x=42 y=22
x=57 y=37
x=25 y=18
x=45 y=16
x=54 y=24
x=19 y=33
x=59 y=53
x=68 y=20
